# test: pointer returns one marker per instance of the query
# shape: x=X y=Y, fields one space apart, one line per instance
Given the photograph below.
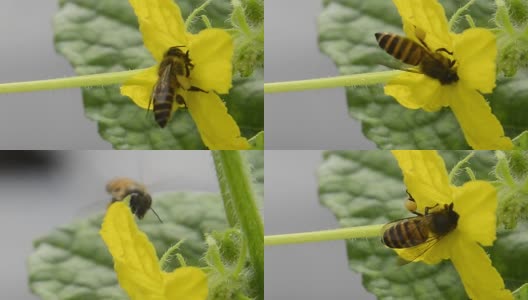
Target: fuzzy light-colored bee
x=140 y=199
x=430 y=62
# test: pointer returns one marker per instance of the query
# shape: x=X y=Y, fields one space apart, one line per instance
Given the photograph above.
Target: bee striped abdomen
x=401 y=48
x=162 y=104
x=405 y=234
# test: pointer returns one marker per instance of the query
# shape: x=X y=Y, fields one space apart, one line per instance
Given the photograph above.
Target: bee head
x=446 y=220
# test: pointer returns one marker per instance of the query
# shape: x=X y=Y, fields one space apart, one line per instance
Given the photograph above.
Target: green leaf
x=346 y=35
x=103 y=36
x=72 y=262
x=257 y=142
x=521 y=141
x=521 y=293
x=366 y=187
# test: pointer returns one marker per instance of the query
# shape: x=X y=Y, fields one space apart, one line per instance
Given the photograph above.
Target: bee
x=174 y=66
x=431 y=63
x=140 y=199
x=423 y=230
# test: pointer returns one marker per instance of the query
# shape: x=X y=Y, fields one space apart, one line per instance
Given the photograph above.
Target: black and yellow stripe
x=401 y=48
x=406 y=233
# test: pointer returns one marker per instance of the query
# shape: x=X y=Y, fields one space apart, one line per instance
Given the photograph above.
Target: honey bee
x=140 y=199
x=422 y=231
x=174 y=65
x=431 y=63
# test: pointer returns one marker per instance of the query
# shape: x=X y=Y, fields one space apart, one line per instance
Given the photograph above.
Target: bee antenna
x=156 y=215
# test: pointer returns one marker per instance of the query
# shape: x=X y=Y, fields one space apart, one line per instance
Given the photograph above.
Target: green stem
x=241 y=262
x=233 y=173
x=470 y=173
x=194 y=13
x=502 y=170
x=214 y=254
x=240 y=17
x=66 y=83
x=457 y=14
x=229 y=209
x=325 y=83
x=459 y=164
x=164 y=260
x=504 y=16
x=470 y=21
x=324 y=235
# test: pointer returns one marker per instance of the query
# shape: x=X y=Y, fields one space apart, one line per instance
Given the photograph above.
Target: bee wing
x=163 y=83
x=411 y=254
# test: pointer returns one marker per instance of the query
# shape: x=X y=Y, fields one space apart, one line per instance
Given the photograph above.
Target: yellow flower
x=475 y=202
x=474 y=52
x=210 y=51
x=136 y=264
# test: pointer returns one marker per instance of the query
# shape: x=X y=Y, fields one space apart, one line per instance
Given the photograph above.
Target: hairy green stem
x=324 y=235
x=66 y=83
x=325 y=83
x=458 y=13
x=194 y=13
x=241 y=259
x=165 y=259
x=234 y=175
x=214 y=254
x=229 y=209
x=459 y=164
x=502 y=170
x=504 y=16
x=240 y=17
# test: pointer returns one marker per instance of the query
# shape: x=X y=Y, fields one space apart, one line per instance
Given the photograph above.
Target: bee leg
x=410 y=196
x=196 y=89
x=452 y=63
x=444 y=50
x=429 y=207
x=181 y=101
x=410 y=204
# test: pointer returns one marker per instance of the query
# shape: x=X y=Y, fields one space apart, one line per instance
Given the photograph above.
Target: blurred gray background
x=315 y=271
x=45 y=189
x=38 y=120
x=303 y=120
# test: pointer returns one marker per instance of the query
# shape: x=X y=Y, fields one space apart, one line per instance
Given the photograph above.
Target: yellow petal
x=476 y=204
x=481 y=128
x=475 y=51
x=425 y=177
x=427 y=16
x=413 y=90
x=137 y=285
x=218 y=129
x=211 y=52
x=161 y=24
x=139 y=87
x=481 y=280
x=186 y=283
x=431 y=252
x=136 y=263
